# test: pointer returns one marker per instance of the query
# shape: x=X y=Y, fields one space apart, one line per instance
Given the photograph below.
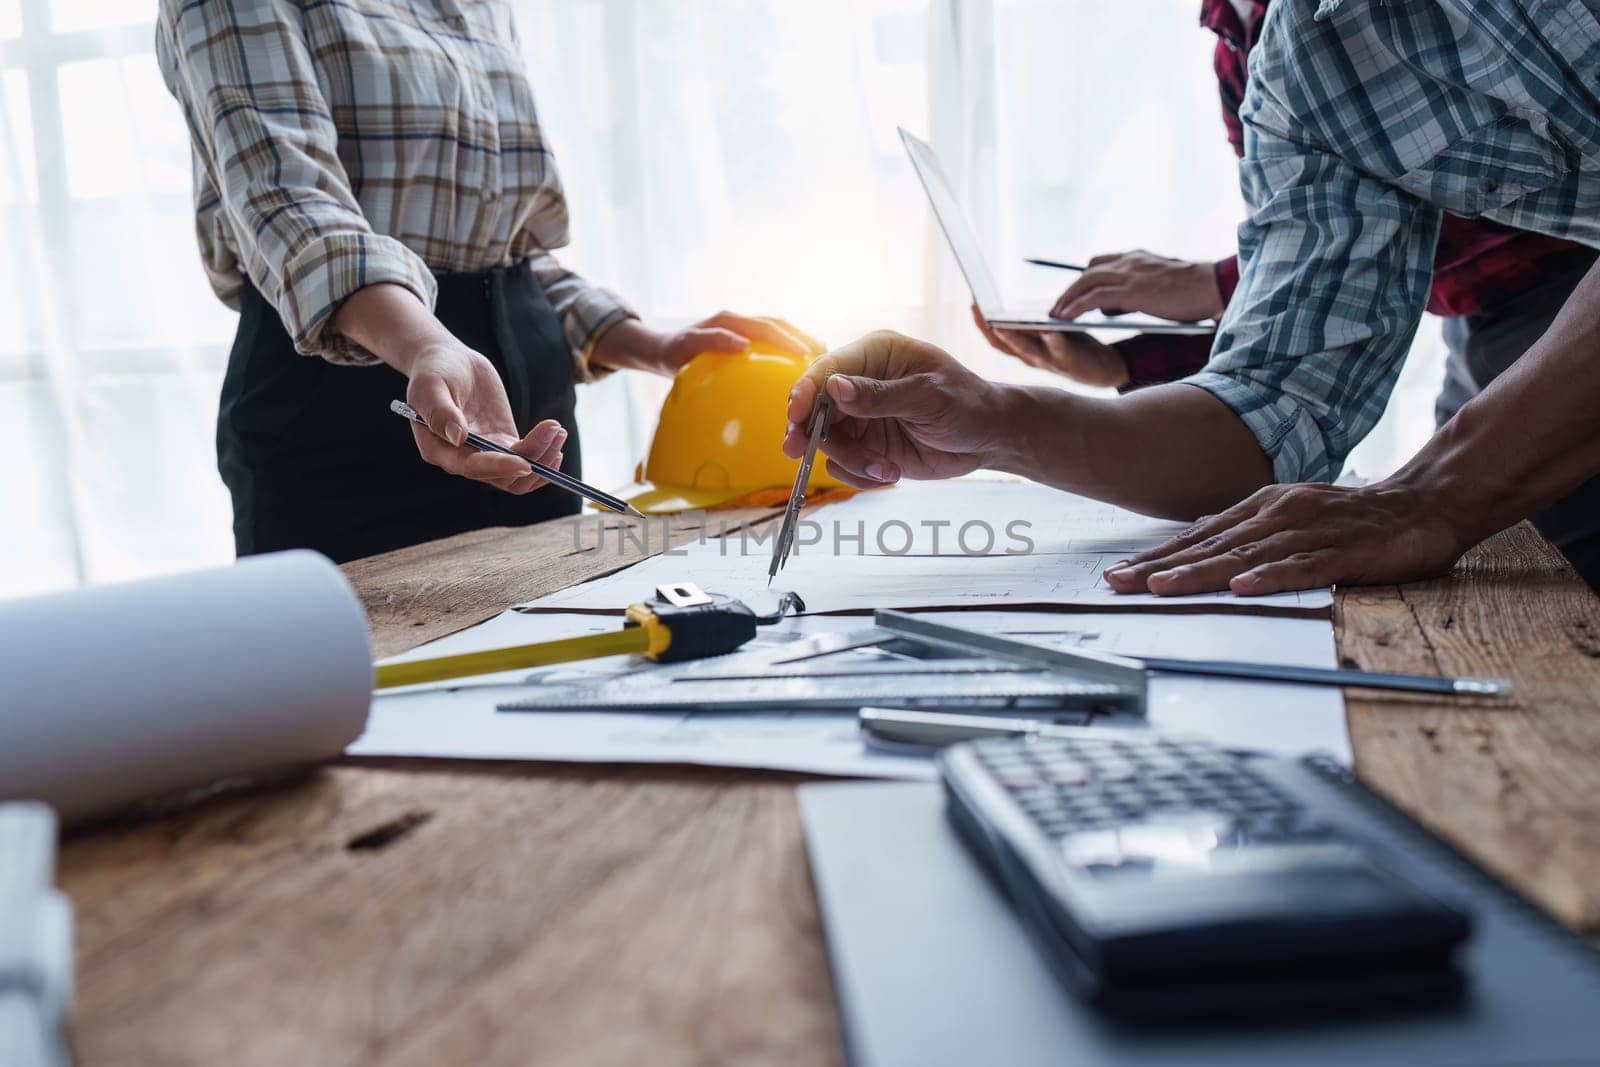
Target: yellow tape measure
x=681 y=623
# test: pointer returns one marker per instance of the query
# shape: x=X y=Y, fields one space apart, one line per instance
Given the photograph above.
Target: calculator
x=1170 y=877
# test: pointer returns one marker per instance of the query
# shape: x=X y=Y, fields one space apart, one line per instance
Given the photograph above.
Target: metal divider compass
x=817 y=432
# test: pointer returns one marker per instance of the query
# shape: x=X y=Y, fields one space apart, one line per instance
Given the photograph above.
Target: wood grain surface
x=1514 y=783
x=424 y=592
x=419 y=912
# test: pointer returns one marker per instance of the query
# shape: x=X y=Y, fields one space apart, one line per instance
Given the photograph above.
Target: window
x=716 y=155
x=110 y=341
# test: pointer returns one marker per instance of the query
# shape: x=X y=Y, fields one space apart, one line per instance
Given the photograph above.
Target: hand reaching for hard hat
x=631 y=344
x=902 y=409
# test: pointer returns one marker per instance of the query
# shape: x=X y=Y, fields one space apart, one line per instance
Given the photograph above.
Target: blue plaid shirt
x=1363 y=120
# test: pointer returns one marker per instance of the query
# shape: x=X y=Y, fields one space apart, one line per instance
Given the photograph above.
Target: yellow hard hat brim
x=671 y=499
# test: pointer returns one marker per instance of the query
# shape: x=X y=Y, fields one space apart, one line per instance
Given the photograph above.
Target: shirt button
x=1489 y=185
x=491 y=195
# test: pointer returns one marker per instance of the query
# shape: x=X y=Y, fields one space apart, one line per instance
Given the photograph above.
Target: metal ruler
x=909 y=662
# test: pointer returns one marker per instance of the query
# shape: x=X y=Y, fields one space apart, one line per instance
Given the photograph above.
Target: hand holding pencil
x=455 y=391
x=546 y=474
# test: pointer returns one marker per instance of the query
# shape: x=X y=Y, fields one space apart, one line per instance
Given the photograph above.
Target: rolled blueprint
x=114 y=694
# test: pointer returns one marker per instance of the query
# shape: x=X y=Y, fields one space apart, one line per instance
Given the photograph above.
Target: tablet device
x=963 y=242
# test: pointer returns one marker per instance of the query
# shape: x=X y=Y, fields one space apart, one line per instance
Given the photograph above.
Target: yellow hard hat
x=720 y=437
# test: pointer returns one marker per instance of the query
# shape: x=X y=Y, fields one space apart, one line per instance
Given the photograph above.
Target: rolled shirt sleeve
x=586 y=311
x=1335 y=272
x=266 y=149
x=1226 y=274
x=1155 y=358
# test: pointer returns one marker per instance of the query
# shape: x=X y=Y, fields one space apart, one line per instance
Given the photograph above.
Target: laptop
x=963 y=243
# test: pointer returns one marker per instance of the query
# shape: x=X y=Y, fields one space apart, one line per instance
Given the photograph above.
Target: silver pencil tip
x=1485 y=687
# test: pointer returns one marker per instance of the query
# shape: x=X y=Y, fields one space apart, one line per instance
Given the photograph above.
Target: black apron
x=314 y=458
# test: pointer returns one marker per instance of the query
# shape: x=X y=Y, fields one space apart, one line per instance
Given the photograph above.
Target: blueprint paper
x=460 y=720
x=970 y=542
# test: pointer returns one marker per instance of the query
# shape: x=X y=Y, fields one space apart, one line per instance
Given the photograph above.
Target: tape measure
x=679 y=623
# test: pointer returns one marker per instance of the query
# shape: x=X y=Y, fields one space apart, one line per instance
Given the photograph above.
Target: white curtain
x=111 y=345
x=717 y=153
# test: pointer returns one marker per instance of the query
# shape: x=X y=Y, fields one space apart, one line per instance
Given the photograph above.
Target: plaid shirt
x=339 y=145
x=1479 y=266
x=1364 y=121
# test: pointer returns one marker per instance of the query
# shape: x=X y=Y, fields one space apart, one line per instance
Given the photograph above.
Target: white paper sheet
x=966 y=543
x=122 y=692
x=461 y=721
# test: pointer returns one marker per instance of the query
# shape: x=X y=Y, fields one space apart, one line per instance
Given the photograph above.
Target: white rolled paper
x=113 y=694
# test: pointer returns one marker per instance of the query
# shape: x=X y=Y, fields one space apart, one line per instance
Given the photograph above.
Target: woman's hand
x=1142 y=281
x=902 y=408
x=456 y=389
x=631 y=345
x=1074 y=355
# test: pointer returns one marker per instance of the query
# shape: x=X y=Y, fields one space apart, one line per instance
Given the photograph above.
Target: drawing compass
x=816 y=431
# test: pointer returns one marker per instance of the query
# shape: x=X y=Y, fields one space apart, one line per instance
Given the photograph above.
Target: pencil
x=1057 y=264
x=1271 y=672
x=550 y=474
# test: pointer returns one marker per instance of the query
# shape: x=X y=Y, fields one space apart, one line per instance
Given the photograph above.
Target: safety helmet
x=719 y=441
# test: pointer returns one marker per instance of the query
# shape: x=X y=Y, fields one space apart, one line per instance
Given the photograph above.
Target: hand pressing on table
x=1287 y=537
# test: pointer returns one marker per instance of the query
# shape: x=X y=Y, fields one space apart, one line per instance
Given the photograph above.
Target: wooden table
x=418 y=912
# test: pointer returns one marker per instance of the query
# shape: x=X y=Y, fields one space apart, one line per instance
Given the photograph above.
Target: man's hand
x=456 y=389
x=1302 y=537
x=1142 y=281
x=631 y=344
x=1074 y=355
x=902 y=408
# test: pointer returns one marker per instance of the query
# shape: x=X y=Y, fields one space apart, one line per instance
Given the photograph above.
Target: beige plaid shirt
x=343 y=143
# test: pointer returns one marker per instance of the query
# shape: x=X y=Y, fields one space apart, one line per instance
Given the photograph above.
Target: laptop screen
x=957 y=230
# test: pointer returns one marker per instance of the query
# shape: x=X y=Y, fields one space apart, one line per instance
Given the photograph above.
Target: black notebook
x=931 y=966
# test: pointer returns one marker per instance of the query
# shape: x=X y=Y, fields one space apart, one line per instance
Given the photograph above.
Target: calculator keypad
x=1116 y=802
